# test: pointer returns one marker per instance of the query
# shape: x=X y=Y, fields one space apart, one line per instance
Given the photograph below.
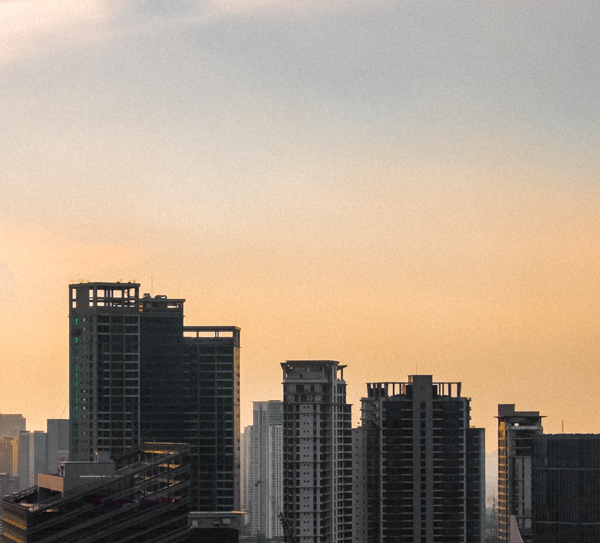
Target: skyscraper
x=122 y=348
x=516 y=430
x=317 y=457
x=58 y=442
x=245 y=445
x=266 y=469
x=25 y=467
x=136 y=374
x=9 y=453
x=11 y=425
x=565 y=488
x=212 y=416
x=423 y=462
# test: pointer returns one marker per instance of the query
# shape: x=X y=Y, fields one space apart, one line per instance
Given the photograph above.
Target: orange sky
x=405 y=188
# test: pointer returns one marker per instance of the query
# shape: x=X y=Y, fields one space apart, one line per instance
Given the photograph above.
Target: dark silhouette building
x=212 y=415
x=137 y=374
x=142 y=497
x=516 y=431
x=565 y=488
x=423 y=463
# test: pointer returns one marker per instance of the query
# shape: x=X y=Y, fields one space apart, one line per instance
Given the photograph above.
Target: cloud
x=34 y=27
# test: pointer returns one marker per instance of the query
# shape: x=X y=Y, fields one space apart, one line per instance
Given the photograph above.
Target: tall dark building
x=125 y=368
x=424 y=464
x=516 y=431
x=212 y=415
x=136 y=374
x=317 y=452
x=565 y=487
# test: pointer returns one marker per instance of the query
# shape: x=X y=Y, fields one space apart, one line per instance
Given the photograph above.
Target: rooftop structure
x=140 y=498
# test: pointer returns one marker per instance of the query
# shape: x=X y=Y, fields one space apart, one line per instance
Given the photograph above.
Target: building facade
x=266 y=469
x=212 y=416
x=140 y=498
x=565 y=487
x=11 y=425
x=25 y=461
x=245 y=446
x=58 y=442
x=317 y=457
x=137 y=374
x=516 y=431
x=424 y=464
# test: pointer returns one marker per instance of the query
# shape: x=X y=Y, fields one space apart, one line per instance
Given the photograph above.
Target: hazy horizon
x=406 y=187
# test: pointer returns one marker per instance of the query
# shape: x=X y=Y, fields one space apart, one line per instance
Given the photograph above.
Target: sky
x=404 y=186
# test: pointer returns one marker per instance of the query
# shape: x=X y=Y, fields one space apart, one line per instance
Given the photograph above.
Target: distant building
x=58 y=443
x=423 y=462
x=245 y=446
x=39 y=454
x=137 y=374
x=359 y=485
x=266 y=469
x=565 y=488
x=11 y=425
x=140 y=498
x=9 y=455
x=317 y=452
x=25 y=459
x=516 y=431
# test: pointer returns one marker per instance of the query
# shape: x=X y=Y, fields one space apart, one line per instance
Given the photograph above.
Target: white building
x=317 y=458
x=265 y=483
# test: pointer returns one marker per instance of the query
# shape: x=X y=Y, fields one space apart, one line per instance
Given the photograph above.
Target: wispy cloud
x=31 y=28
x=34 y=27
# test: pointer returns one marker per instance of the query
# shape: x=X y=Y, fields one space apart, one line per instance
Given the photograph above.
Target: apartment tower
x=516 y=431
x=137 y=374
x=317 y=458
x=424 y=464
x=266 y=469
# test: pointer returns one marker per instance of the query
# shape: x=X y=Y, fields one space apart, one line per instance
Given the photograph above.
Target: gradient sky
x=403 y=186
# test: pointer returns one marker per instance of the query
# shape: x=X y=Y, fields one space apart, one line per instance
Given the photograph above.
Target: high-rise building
x=565 y=487
x=359 y=485
x=245 y=445
x=424 y=464
x=516 y=430
x=317 y=457
x=212 y=416
x=25 y=460
x=39 y=454
x=9 y=455
x=136 y=374
x=118 y=341
x=33 y=457
x=266 y=469
x=11 y=425
x=58 y=442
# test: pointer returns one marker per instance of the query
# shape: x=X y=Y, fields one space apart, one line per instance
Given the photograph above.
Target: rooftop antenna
x=152 y=285
x=563 y=426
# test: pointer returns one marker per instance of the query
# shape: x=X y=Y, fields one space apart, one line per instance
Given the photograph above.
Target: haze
x=403 y=186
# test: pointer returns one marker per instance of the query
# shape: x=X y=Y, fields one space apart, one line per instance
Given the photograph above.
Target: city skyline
x=408 y=188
